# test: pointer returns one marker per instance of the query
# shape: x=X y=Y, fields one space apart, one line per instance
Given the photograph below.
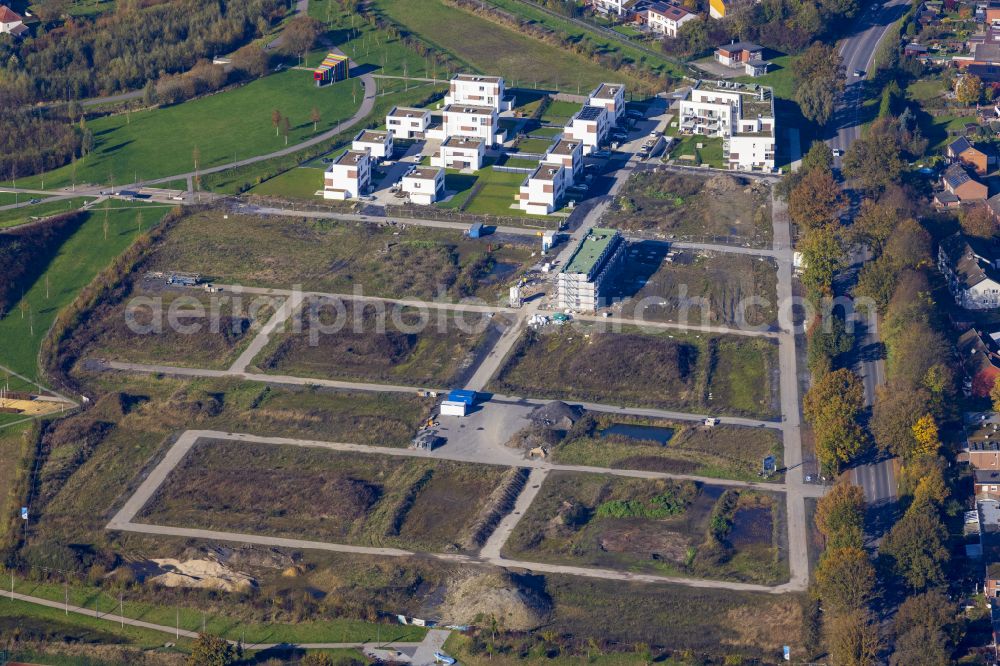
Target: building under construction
x=589 y=270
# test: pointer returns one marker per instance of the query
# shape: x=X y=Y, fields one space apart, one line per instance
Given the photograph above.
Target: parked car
x=837 y=152
x=858 y=73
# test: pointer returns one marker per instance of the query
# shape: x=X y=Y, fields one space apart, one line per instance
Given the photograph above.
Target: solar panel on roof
x=590 y=113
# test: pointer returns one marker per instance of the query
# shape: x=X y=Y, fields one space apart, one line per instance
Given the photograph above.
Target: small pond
x=646 y=433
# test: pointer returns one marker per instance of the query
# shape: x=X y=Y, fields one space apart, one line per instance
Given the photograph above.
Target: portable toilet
x=548 y=240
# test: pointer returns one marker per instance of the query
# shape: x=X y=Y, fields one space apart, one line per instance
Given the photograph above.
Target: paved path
x=721 y=330
x=798 y=528
x=492 y=547
x=287 y=309
x=123 y=519
x=403 y=302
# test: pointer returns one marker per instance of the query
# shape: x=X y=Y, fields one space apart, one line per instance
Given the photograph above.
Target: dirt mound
x=207 y=574
x=721 y=183
x=510 y=599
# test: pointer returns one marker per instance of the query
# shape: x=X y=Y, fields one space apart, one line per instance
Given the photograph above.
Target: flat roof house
x=619 y=8
x=407 y=123
x=424 y=185
x=587 y=273
x=743 y=55
x=666 y=18
x=590 y=126
x=543 y=190
x=349 y=176
x=972 y=278
x=376 y=142
x=742 y=115
x=611 y=97
x=476 y=122
x=957 y=181
x=460 y=152
x=478 y=90
x=962 y=150
x=11 y=22
x=567 y=153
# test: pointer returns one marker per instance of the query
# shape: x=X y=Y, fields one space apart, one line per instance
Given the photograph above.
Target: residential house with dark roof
x=743 y=55
x=971 y=277
x=962 y=150
x=666 y=18
x=987 y=484
x=978 y=355
x=958 y=182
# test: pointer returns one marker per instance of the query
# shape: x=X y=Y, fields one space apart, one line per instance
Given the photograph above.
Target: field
x=15 y=216
x=80 y=258
x=177 y=326
x=673 y=528
x=220 y=128
x=297 y=183
x=658 y=285
x=489 y=47
x=339 y=257
x=714 y=374
x=350 y=341
x=324 y=495
x=730 y=452
x=686 y=206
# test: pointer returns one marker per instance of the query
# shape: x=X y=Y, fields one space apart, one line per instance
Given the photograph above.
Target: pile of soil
x=721 y=183
x=502 y=595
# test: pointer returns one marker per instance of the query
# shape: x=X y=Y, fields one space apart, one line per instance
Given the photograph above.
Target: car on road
x=34 y=201
x=858 y=73
x=442 y=658
x=837 y=152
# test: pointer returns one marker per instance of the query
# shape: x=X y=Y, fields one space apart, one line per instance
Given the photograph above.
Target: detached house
x=971 y=277
x=611 y=98
x=476 y=122
x=590 y=126
x=666 y=18
x=11 y=22
x=376 y=142
x=962 y=150
x=567 y=153
x=349 y=176
x=460 y=152
x=743 y=55
x=425 y=185
x=542 y=191
x=477 y=90
x=407 y=123
x=962 y=186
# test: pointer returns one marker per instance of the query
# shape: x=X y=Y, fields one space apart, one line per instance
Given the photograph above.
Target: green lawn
x=779 y=77
x=16 y=216
x=224 y=127
x=925 y=89
x=534 y=145
x=324 y=631
x=80 y=258
x=497 y=194
x=489 y=47
x=603 y=43
x=558 y=112
x=8 y=198
x=299 y=183
x=710 y=153
x=546 y=132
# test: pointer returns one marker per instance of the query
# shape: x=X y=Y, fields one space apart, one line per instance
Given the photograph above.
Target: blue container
x=462 y=395
x=476 y=230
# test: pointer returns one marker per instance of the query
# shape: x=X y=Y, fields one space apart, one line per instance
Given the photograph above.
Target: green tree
x=819 y=156
x=840 y=516
x=874 y=225
x=916 y=547
x=897 y=408
x=819 y=80
x=823 y=257
x=875 y=161
x=845 y=579
x=833 y=405
x=212 y=651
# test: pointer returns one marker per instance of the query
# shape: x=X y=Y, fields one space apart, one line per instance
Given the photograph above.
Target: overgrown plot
x=673 y=528
x=324 y=495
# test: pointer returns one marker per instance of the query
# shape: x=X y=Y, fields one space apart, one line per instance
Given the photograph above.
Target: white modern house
x=349 y=176
x=741 y=114
x=610 y=97
x=376 y=142
x=567 y=153
x=407 y=123
x=476 y=122
x=478 y=90
x=590 y=126
x=543 y=190
x=620 y=8
x=460 y=152
x=592 y=266
x=11 y=22
x=424 y=185
x=972 y=278
x=666 y=18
